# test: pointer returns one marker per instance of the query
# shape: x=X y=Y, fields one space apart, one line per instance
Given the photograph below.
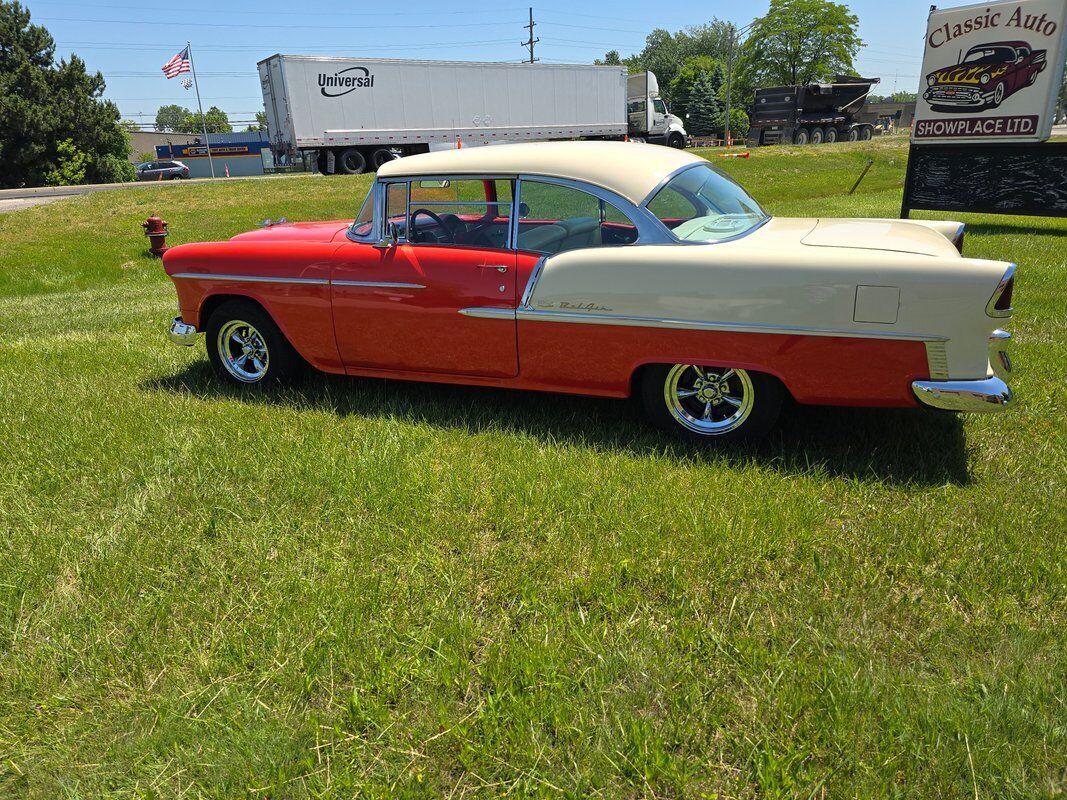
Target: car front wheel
x=246 y=347
x=707 y=403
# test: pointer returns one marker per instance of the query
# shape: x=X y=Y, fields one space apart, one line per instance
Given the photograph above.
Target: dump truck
x=354 y=114
x=813 y=113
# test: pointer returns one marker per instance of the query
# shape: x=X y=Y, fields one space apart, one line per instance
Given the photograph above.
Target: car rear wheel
x=352 y=162
x=801 y=136
x=246 y=347
x=706 y=403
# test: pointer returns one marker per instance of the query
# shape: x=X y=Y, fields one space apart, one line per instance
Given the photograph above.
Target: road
x=14 y=199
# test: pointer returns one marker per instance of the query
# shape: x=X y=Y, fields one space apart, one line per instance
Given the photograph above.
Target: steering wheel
x=440 y=222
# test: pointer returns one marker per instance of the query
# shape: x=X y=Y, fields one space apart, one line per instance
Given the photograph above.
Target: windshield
x=364 y=222
x=702 y=204
x=989 y=55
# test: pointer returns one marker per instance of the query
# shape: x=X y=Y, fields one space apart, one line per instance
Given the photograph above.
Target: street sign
x=991 y=72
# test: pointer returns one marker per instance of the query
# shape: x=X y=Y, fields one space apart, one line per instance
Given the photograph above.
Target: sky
x=129 y=43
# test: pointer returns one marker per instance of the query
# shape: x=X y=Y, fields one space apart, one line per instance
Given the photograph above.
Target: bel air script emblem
x=565 y=306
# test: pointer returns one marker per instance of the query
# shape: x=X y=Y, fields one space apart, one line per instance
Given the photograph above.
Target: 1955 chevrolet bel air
x=612 y=269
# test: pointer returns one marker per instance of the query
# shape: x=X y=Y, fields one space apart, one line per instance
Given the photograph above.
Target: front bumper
x=962 y=96
x=182 y=334
x=987 y=394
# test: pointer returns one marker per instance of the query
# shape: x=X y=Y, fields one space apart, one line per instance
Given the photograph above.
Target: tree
x=215 y=119
x=171 y=118
x=261 y=122
x=800 y=41
x=681 y=88
x=611 y=59
x=903 y=97
x=50 y=111
x=704 y=108
x=70 y=165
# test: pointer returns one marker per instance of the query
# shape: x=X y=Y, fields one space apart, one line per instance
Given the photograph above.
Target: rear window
x=702 y=204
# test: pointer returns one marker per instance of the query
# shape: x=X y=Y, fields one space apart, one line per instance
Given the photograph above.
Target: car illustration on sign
x=606 y=268
x=984 y=77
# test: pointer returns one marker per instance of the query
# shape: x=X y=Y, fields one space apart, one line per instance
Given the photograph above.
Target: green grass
x=355 y=587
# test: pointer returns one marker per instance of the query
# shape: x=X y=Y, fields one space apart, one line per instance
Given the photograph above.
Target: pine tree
x=704 y=111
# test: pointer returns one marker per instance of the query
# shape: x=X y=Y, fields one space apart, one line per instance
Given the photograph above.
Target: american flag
x=177 y=65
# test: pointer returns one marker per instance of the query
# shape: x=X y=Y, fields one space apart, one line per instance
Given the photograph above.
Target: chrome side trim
x=205 y=276
x=989 y=394
x=489 y=313
x=535 y=274
x=539 y=315
x=379 y=284
x=1009 y=273
x=937 y=360
x=182 y=334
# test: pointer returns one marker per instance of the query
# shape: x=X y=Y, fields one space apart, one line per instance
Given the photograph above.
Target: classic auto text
x=986 y=20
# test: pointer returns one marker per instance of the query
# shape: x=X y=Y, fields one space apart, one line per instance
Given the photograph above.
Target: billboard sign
x=991 y=72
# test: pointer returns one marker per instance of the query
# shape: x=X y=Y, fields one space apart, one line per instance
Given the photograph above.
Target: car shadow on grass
x=892 y=445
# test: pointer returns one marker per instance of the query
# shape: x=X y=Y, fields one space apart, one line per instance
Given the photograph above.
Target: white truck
x=355 y=114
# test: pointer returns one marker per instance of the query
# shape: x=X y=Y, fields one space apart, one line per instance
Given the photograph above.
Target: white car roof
x=629 y=169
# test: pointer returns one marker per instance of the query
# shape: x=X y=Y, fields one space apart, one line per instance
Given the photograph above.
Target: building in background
x=146 y=142
x=245 y=153
x=892 y=116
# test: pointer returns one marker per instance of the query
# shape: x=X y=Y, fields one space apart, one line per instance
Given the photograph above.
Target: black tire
x=175 y=177
x=320 y=162
x=351 y=162
x=866 y=133
x=281 y=363
x=831 y=135
x=381 y=156
x=760 y=397
x=816 y=136
x=801 y=137
x=1001 y=89
x=676 y=140
x=853 y=134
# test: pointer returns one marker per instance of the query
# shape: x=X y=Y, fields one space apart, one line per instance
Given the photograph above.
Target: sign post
x=990 y=80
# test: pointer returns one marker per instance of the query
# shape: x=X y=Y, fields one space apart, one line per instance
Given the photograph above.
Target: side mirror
x=524 y=211
x=392 y=235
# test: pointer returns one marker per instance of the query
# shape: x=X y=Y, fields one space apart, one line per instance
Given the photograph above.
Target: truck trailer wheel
x=853 y=134
x=381 y=156
x=866 y=133
x=831 y=135
x=816 y=136
x=801 y=137
x=352 y=162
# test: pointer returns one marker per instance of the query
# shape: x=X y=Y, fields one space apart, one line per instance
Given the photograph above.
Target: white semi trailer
x=355 y=113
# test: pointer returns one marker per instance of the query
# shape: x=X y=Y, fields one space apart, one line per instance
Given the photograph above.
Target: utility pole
x=729 y=74
x=531 y=41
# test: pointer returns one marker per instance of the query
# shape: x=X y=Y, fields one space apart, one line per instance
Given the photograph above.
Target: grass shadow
x=891 y=445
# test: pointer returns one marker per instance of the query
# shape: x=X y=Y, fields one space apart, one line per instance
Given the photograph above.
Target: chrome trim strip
x=489 y=313
x=380 y=284
x=999 y=360
x=535 y=274
x=1009 y=273
x=538 y=315
x=206 y=276
x=989 y=394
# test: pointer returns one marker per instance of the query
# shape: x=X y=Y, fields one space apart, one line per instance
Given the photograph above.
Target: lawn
x=383 y=589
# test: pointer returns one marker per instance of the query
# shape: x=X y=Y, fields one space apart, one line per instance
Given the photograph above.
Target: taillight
x=999 y=304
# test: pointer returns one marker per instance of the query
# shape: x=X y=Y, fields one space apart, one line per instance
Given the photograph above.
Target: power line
x=282 y=27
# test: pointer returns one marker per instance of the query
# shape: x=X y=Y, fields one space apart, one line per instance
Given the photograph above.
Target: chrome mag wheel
x=243 y=351
x=710 y=401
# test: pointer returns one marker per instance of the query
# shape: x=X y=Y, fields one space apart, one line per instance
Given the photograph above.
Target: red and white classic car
x=612 y=269
x=985 y=76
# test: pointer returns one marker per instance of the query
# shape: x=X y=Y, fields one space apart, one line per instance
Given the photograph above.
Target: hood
x=898 y=236
x=296 y=232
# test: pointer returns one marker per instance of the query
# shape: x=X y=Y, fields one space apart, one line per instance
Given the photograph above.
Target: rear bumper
x=182 y=334
x=988 y=394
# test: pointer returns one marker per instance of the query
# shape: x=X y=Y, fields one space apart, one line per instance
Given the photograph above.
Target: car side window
x=460 y=213
x=557 y=218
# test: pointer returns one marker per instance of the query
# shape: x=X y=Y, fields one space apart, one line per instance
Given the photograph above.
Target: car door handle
x=497 y=267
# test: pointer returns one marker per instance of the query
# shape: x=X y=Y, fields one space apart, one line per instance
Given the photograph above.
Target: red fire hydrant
x=156 y=231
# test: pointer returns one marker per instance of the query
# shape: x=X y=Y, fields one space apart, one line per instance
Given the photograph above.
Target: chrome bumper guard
x=182 y=334
x=988 y=394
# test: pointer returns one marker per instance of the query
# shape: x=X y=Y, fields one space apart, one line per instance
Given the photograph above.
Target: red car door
x=399 y=308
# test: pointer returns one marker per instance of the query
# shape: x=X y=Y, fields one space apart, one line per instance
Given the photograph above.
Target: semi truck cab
x=647 y=115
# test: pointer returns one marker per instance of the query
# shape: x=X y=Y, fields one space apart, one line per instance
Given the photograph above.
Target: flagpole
x=203 y=119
